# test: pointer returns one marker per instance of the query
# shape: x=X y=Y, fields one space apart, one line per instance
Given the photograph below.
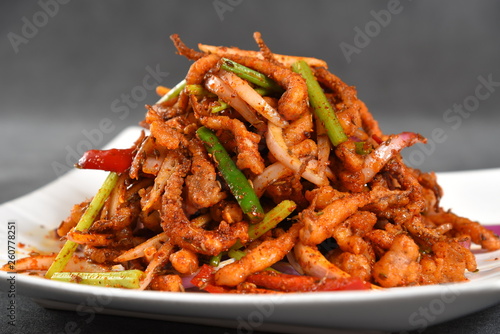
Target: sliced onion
x=250 y=96
x=277 y=146
x=382 y=154
x=465 y=243
x=293 y=262
x=138 y=251
x=152 y=164
x=270 y=175
x=315 y=264
x=494 y=228
x=215 y=85
x=159 y=259
x=186 y=280
x=166 y=170
x=285 y=268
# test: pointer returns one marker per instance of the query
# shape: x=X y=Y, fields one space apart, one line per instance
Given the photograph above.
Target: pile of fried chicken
x=359 y=211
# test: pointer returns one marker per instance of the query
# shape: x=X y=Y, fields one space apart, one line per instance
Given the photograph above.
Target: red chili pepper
x=205 y=280
x=113 y=160
x=297 y=283
x=377 y=139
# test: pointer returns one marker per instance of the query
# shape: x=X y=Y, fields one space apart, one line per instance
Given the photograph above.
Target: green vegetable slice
x=271 y=219
x=129 y=279
x=322 y=107
x=250 y=75
x=175 y=91
x=84 y=223
x=235 y=179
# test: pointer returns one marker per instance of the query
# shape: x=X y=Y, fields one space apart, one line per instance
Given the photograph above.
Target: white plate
x=474 y=194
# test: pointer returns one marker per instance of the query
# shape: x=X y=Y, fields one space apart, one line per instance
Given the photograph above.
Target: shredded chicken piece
x=315 y=264
x=399 y=266
x=479 y=234
x=258 y=258
x=447 y=263
x=246 y=141
x=202 y=188
x=319 y=226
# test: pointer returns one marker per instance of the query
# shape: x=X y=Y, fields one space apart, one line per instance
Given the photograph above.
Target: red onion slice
x=494 y=228
x=277 y=146
x=215 y=85
x=250 y=96
x=270 y=175
x=315 y=264
x=382 y=154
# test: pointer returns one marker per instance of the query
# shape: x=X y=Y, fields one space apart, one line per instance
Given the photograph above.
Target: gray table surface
x=65 y=66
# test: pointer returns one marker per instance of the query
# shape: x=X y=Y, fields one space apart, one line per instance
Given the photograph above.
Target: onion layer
x=277 y=146
x=215 y=85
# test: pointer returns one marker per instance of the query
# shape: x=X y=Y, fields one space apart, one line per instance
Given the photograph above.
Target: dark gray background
x=86 y=54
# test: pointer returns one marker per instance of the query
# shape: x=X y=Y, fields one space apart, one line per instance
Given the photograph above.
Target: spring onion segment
x=250 y=75
x=175 y=91
x=198 y=90
x=270 y=221
x=235 y=179
x=128 y=279
x=215 y=260
x=84 y=223
x=322 y=107
x=222 y=106
x=236 y=254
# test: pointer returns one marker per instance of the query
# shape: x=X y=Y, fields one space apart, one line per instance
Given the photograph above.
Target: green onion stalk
x=250 y=75
x=128 y=279
x=236 y=254
x=174 y=92
x=237 y=182
x=363 y=148
x=218 y=108
x=84 y=223
x=198 y=90
x=322 y=107
x=271 y=219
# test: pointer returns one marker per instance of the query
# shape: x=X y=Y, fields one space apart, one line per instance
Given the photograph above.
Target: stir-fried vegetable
x=198 y=90
x=218 y=108
x=271 y=219
x=255 y=231
x=236 y=254
x=128 y=279
x=235 y=179
x=296 y=283
x=250 y=75
x=174 y=92
x=112 y=160
x=322 y=107
x=85 y=222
